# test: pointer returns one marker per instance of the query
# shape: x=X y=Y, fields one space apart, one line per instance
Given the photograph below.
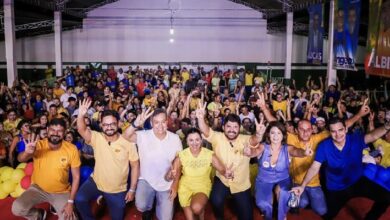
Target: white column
x=289 y=38
x=331 y=72
x=58 y=41
x=9 y=35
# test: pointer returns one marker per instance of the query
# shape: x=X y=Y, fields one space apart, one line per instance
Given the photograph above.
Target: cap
x=320 y=119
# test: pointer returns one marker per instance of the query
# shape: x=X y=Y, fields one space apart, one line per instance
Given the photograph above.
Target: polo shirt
x=342 y=168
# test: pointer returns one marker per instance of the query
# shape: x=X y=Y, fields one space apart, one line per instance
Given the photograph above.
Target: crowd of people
x=157 y=134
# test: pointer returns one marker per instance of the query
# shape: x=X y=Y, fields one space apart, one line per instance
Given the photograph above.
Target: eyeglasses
x=109 y=125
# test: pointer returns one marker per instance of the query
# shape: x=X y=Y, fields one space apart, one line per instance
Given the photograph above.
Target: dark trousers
x=242 y=200
x=362 y=188
x=88 y=191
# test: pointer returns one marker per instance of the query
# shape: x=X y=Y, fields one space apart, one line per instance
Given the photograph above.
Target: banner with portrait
x=346 y=33
x=315 y=39
x=377 y=60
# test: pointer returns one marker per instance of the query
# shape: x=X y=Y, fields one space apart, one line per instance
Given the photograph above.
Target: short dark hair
x=112 y=113
x=278 y=125
x=70 y=99
x=336 y=120
x=192 y=131
x=57 y=121
x=232 y=118
x=158 y=111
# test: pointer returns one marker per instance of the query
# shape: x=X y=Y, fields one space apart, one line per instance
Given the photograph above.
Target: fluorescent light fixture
x=171 y=31
x=171 y=40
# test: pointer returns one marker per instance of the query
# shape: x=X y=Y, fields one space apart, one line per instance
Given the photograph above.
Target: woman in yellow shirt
x=193 y=167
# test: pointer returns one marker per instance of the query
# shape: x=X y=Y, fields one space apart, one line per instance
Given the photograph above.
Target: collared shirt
x=231 y=153
x=156 y=157
x=300 y=165
x=112 y=162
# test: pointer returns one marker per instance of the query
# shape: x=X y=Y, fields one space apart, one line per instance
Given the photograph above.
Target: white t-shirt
x=251 y=116
x=156 y=157
x=64 y=99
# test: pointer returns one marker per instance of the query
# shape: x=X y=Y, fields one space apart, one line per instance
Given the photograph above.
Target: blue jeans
x=315 y=196
x=144 y=197
x=88 y=191
x=264 y=198
x=242 y=200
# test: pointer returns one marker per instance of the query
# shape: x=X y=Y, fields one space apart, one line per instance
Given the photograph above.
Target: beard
x=109 y=132
x=229 y=135
x=54 y=139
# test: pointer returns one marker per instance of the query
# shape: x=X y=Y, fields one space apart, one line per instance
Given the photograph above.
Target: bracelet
x=70 y=201
x=131 y=190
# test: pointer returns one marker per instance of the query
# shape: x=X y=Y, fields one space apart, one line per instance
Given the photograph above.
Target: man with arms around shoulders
x=342 y=154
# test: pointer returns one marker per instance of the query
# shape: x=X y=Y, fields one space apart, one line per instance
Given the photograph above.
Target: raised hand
x=201 y=110
x=261 y=101
x=30 y=143
x=371 y=117
x=260 y=126
x=141 y=118
x=229 y=174
x=84 y=106
x=365 y=109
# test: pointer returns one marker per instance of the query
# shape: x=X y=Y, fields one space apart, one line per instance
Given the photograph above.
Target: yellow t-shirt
x=280 y=106
x=248 y=79
x=148 y=101
x=386 y=151
x=194 y=103
x=259 y=79
x=214 y=106
x=51 y=167
x=232 y=153
x=58 y=92
x=300 y=165
x=112 y=162
x=185 y=75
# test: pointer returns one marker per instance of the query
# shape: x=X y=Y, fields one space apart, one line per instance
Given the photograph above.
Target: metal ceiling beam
x=51 y=5
x=31 y=26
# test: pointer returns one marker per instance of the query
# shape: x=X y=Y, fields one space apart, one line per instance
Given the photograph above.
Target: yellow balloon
x=19 y=189
x=17 y=175
x=3 y=195
x=21 y=166
x=8 y=186
x=6 y=174
x=3 y=168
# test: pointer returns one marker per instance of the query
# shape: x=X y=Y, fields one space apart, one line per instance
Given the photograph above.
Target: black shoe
x=53 y=210
x=42 y=214
x=147 y=215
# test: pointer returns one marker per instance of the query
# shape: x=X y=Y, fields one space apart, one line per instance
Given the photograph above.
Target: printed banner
x=315 y=39
x=346 y=33
x=377 y=60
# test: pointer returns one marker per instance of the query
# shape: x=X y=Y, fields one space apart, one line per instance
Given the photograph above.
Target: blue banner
x=346 y=33
x=315 y=39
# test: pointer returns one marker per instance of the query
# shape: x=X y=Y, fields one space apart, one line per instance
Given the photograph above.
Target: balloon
x=18 y=191
x=21 y=166
x=8 y=186
x=25 y=182
x=85 y=173
x=383 y=174
x=29 y=169
x=370 y=171
x=17 y=175
x=3 y=195
x=6 y=174
x=3 y=168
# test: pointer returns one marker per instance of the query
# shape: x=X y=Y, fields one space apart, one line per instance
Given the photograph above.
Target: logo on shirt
x=265 y=164
x=63 y=161
x=117 y=150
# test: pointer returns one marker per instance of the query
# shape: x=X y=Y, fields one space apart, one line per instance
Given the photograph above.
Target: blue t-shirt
x=342 y=168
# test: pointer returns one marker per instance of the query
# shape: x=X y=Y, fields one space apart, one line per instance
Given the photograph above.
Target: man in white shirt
x=65 y=97
x=157 y=148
